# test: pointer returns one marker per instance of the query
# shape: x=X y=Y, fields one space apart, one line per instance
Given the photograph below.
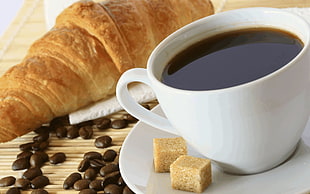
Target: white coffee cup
x=244 y=129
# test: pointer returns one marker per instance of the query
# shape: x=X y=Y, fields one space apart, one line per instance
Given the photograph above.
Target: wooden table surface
x=28 y=26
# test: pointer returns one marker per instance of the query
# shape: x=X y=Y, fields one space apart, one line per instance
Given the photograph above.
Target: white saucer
x=136 y=165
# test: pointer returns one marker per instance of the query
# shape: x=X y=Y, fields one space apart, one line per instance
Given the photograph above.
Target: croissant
x=80 y=60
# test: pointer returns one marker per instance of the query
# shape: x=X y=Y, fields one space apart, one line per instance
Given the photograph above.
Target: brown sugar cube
x=166 y=151
x=192 y=174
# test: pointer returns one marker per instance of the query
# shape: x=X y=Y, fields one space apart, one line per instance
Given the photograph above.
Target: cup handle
x=134 y=108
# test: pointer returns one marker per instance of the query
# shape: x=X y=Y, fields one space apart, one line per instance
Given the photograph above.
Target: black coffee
x=231 y=59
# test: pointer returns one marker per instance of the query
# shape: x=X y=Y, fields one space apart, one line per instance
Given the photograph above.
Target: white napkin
x=140 y=92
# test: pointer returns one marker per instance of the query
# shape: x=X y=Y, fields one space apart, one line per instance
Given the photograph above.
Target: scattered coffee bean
x=90 y=174
x=84 y=165
x=86 y=132
x=96 y=163
x=23 y=184
x=71 y=179
x=129 y=118
x=26 y=146
x=36 y=160
x=109 y=155
x=40 y=146
x=24 y=154
x=111 y=178
x=39 y=182
x=7 y=181
x=81 y=184
x=61 y=132
x=59 y=121
x=113 y=189
x=127 y=190
x=57 y=158
x=72 y=132
x=102 y=123
x=88 y=191
x=43 y=155
x=96 y=185
x=85 y=123
x=43 y=129
x=13 y=190
x=36 y=146
x=119 y=124
x=92 y=155
x=41 y=137
x=39 y=191
x=32 y=173
x=103 y=141
x=109 y=168
x=21 y=164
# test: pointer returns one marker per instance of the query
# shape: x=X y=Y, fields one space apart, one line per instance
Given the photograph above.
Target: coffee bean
x=39 y=182
x=103 y=141
x=109 y=168
x=111 y=178
x=7 y=181
x=60 y=121
x=41 y=137
x=85 y=123
x=86 y=132
x=32 y=173
x=43 y=129
x=109 y=155
x=96 y=185
x=127 y=190
x=36 y=160
x=22 y=183
x=57 y=158
x=39 y=191
x=96 y=163
x=84 y=165
x=13 y=190
x=113 y=189
x=90 y=174
x=93 y=155
x=20 y=164
x=72 y=132
x=129 y=118
x=102 y=123
x=88 y=191
x=61 y=132
x=24 y=154
x=81 y=184
x=36 y=146
x=71 y=179
x=40 y=146
x=26 y=146
x=119 y=124
x=43 y=155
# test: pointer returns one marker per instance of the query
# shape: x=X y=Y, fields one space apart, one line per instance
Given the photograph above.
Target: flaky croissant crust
x=80 y=60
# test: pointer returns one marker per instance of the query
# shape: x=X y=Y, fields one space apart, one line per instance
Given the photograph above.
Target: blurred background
x=8 y=11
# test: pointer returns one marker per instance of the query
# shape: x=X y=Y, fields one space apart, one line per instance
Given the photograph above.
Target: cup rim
x=180 y=31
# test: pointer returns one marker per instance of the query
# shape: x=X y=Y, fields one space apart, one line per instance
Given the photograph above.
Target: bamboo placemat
x=28 y=26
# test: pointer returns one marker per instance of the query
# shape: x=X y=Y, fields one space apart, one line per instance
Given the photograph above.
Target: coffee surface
x=231 y=59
